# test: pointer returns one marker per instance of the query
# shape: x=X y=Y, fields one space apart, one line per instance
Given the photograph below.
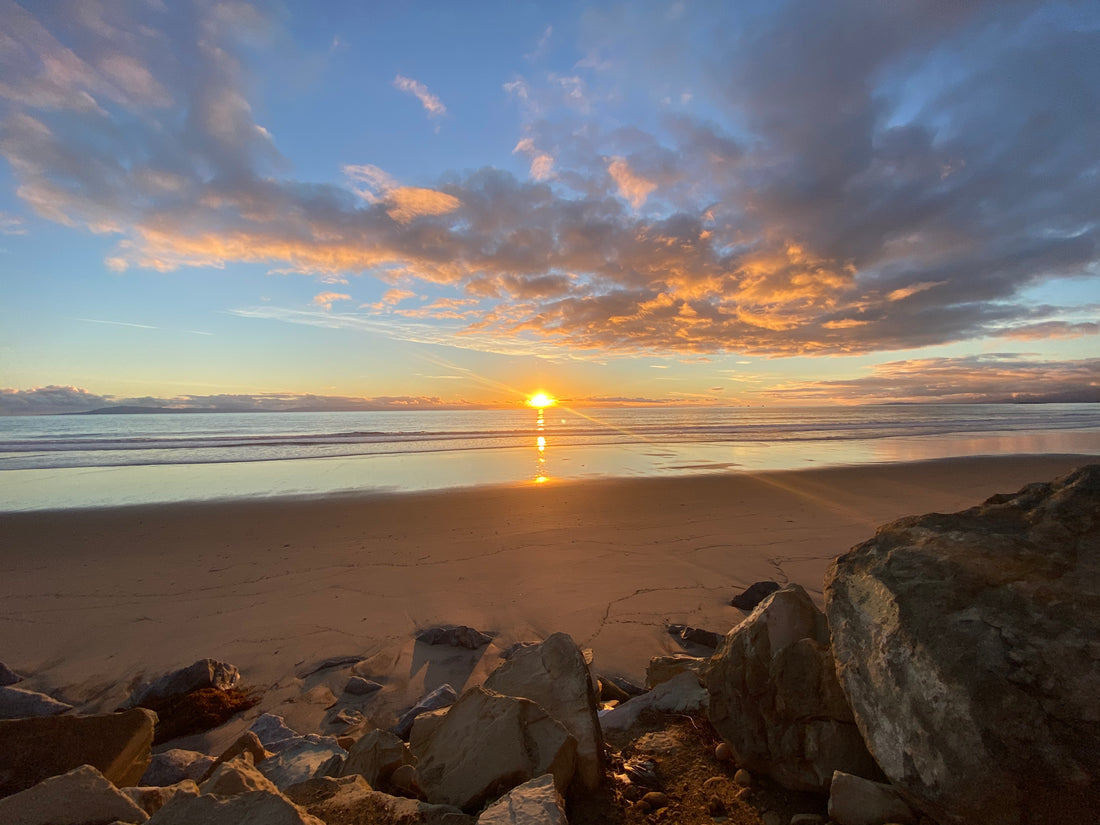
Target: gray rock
x=662 y=668
x=83 y=796
x=247 y=743
x=255 y=808
x=554 y=676
x=460 y=636
x=302 y=758
x=205 y=673
x=754 y=594
x=626 y=686
x=487 y=744
x=536 y=802
x=375 y=757
x=351 y=800
x=152 y=798
x=175 y=765
x=680 y=694
x=695 y=635
x=775 y=699
x=510 y=651
x=8 y=676
x=17 y=703
x=857 y=801
x=236 y=776
x=358 y=686
x=116 y=744
x=967 y=645
x=442 y=697
x=271 y=729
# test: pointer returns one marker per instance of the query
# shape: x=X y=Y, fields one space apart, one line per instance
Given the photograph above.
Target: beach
x=97 y=599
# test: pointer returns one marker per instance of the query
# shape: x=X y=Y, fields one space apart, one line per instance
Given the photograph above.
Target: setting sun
x=541 y=400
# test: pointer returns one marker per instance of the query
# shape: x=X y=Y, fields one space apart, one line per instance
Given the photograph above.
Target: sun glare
x=541 y=400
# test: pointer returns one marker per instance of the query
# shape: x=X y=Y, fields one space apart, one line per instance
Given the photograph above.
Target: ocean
x=67 y=461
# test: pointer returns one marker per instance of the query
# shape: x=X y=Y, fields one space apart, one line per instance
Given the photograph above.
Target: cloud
x=867 y=177
x=11 y=225
x=432 y=104
x=327 y=299
x=997 y=378
x=46 y=400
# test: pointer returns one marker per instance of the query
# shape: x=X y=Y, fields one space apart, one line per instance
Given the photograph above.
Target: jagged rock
x=205 y=673
x=460 y=636
x=375 y=757
x=175 y=765
x=442 y=697
x=358 y=686
x=8 y=676
x=116 y=744
x=351 y=801
x=967 y=645
x=554 y=676
x=857 y=801
x=237 y=776
x=775 y=699
x=533 y=803
x=18 y=703
x=248 y=742
x=271 y=729
x=695 y=635
x=304 y=757
x=754 y=594
x=662 y=668
x=83 y=796
x=487 y=744
x=255 y=808
x=680 y=694
x=151 y=798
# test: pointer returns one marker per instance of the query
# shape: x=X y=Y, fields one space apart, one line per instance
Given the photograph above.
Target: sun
x=541 y=400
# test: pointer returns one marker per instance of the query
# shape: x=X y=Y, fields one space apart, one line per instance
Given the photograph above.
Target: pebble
x=744 y=793
x=742 y=777
x=655 y=800
x=723 y=753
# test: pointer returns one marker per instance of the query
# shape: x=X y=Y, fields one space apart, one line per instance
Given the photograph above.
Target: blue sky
x=432 y=204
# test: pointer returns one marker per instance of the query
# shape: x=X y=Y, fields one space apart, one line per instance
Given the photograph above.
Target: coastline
x=95 y=599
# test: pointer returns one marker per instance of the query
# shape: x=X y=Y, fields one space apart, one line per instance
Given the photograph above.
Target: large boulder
x=176 y=765
x=967 y=645
x=116 y=744
x=775 y=699
x=680 y=694
x=555 y=676
x=255 y=808
x=485 y=745
x=151 y=798
x=236 y=776
x=18 y=703
x=83 y=796
x=533 y=803
x=205 y=673
x=375 y=756
x=301 y=758
x=351 y=801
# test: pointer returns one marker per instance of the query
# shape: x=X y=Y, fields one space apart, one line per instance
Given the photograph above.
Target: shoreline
x=95 y=599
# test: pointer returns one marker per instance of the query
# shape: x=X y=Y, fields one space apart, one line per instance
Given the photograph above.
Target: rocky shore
x=951 y=680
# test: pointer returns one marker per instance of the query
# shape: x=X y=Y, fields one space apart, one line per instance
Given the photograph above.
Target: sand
x=94 y=600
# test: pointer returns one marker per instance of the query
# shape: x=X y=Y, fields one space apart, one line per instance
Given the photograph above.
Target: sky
x=369 y=205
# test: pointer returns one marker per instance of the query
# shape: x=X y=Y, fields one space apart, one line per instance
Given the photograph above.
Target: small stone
x=755 y=594
x=349 y=717
x=656 y=800
x=723 y=753
x=742 y=777
x=358 y=686
x=633 y=793
x=642 y=772
x=641 y=806
x=743 y=793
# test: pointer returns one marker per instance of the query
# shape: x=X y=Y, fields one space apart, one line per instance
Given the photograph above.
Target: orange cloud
x=432 y=104
x=633 y=187
x=326 y=299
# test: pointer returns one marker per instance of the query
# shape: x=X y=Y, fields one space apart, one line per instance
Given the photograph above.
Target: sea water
x=63 y=461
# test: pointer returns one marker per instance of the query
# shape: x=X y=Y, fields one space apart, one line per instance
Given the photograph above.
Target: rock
x=442 y=697
x=742 y=777
x=510 y=651
x=644 y=772
x=151 y=799
x=255 y=808
x=808 y=819
x=205 y=673
x=17 y=703
x=775 y=699
x=116 y=744
x=755 y=594
x=626 y=686
x=175 y=765
x=487 y=744
x=375 y=757
x=270 y=729
x=680 y=694
x=459 y=636
x=695 y=635
x=351 y=801
x=248 y=742
x=327 y=664
x=967 y=645
x=8 y=676
x=302 y=758
x=348 y=717
x=723 y=752
x=358 y=686
x=554 y=676
x=857 y=801
x=405 y=780
x=662 y=668
x=610 y=692
x=656 y=800
x=237 y=776
x=83 y=796
x=536 y=802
